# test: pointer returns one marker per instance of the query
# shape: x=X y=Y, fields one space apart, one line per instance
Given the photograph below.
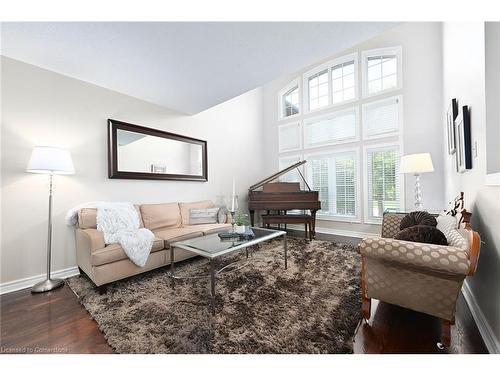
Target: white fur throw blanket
x=119 y=223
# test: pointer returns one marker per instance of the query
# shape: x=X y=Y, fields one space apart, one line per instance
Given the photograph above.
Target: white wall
x=422 y=101
x=42 y=107
x=464 y=79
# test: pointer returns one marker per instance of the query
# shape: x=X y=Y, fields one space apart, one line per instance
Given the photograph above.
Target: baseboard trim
x=28 y=282
x=336 y=232
x=485 y=330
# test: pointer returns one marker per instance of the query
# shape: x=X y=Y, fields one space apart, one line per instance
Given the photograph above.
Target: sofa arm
x=447 y=259
x=89 y=240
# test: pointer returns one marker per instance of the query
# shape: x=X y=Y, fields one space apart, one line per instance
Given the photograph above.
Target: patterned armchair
x=418 y=276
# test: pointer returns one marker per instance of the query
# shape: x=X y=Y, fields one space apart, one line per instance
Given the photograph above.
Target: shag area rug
x=312 y=307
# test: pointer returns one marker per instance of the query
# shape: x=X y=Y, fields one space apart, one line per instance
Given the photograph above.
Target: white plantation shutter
x=335 y=177
x=382 y=118
x=345 y=182
x=383 y=181
x=289 y=137
x=335 y=127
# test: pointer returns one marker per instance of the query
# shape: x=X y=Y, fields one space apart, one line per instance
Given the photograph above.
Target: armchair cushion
x=446 y=259
x=423 y=234
x=448 y=225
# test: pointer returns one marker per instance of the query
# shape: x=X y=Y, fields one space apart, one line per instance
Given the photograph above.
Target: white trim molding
x=28 y=282
x=485 y=329
x=336 y=232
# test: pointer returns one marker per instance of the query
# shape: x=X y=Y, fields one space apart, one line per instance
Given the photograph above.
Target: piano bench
x=307 y=220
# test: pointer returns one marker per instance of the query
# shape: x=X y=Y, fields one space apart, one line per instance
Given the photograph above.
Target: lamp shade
x=416 y=163
x=50 y=160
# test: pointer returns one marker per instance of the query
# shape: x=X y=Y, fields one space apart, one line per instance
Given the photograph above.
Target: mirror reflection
x=145 y=153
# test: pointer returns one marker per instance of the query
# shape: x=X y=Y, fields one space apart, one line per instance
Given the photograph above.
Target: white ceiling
x=187 y=67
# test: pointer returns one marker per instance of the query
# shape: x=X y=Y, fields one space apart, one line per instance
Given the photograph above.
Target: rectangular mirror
x=137 y=152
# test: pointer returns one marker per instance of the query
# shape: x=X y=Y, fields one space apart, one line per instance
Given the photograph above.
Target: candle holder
x=232 y=207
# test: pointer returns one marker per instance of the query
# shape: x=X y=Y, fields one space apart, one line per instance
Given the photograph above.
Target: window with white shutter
x=381 y=70
x=335 y=177
x=382 y=118
x=383 y=183
x=290 y=137
x=333 y=128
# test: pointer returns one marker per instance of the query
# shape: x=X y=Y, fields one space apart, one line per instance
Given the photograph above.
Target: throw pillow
x=417 y=218
x=203 y=215
x=424 y=234
x=448 y=225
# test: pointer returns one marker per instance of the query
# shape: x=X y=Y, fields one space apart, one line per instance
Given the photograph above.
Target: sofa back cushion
x=186 y=207
x=161 y=216
x=87 y=218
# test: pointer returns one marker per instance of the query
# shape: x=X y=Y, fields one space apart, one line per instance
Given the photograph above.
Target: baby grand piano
x=283 y=196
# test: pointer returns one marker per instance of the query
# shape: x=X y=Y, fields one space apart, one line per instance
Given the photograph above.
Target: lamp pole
x=418 y=193
x=48 y=283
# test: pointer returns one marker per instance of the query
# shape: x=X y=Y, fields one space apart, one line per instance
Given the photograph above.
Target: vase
x=240 y=229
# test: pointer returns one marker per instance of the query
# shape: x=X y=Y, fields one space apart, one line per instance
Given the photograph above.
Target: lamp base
x=46 y=285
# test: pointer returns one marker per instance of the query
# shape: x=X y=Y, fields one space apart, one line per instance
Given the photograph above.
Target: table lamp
x=416 y=164
x=51 y=161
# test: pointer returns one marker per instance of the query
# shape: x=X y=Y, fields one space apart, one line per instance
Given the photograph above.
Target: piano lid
x=276 y=175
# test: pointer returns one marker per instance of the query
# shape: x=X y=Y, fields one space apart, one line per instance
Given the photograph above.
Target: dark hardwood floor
x=55 y=322
x=52 y=322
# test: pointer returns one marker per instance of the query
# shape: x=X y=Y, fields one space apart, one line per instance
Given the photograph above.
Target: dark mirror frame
x=113 y=172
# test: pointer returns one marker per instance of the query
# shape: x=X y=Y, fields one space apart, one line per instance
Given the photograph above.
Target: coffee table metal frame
x=212 y=257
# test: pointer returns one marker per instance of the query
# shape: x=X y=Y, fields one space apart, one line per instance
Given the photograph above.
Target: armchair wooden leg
x=366 y=306
x=445 y=334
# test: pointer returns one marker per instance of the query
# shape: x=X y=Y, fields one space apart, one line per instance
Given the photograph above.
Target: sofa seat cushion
x=178 y=234
x=209 y=228
x=114 y=253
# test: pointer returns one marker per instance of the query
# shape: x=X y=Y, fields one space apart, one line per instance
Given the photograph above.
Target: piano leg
x=251 y=217
x=313 y=226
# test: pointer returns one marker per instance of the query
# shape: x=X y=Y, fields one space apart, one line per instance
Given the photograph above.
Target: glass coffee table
x=212 y=247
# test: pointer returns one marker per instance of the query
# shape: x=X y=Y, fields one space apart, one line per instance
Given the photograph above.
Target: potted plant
x=240 y=222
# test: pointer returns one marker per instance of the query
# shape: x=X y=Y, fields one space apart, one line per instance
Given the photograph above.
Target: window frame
x=340 y=151
x=398 y=145
x=397 y=132
x=292 y=84
x=327 y=115
x=328 y=66
x=298 y=156
x=289 y=125
x=398 y=51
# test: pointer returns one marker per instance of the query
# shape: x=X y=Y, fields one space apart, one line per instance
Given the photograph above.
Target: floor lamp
x=51 y=161
x=416 y=164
